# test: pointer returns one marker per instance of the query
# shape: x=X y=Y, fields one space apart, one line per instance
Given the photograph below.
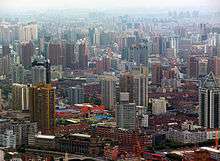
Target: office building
x=42 y=102
x=209 y=108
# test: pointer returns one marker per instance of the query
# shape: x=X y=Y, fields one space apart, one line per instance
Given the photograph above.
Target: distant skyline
x=108 y=4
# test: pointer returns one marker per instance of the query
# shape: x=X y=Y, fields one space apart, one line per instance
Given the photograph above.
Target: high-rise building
x=28 y=32
x=18 y=74
x=5 y=50
x=108 y=91
x=126 y=113
x=26 y=53
x=218 y=44
x=92 y=36
x=75 y=95
x=83 y=57
x=5 y=65
x=139 y=54
x=20 y=97
x=42 y=106
x=38 y=74
x=140 y=90
x=156 y=73
x=69 y=58
x=126 y=83
x=55 y=54
x=193 y=67
x=209 y=99
x=41 y=71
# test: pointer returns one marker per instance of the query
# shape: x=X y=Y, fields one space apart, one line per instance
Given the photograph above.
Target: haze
x=211 y=4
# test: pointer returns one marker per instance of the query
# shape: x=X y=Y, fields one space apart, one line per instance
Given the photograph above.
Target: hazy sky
x=109 y=3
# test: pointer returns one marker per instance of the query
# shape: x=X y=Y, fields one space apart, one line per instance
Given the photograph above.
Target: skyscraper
x=108 y=90
x=209 y=103
x=42 y=106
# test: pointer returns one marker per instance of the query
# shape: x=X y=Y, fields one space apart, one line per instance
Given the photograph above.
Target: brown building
x=27 y=51
x=69 y=56
x=156 y=73
x=42 y=106
x=193 y=67
x=55 y=53
x=83 y=57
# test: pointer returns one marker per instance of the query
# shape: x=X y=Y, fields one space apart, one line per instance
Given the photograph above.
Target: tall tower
x=209 y=103
x=42 y=105
x=108 y=90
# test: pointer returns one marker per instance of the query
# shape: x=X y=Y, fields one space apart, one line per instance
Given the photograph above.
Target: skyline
x=110 y=4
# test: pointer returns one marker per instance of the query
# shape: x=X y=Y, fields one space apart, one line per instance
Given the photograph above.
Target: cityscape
x=107 y=80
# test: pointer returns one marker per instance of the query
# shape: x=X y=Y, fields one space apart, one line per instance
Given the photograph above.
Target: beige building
x=159 y=106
